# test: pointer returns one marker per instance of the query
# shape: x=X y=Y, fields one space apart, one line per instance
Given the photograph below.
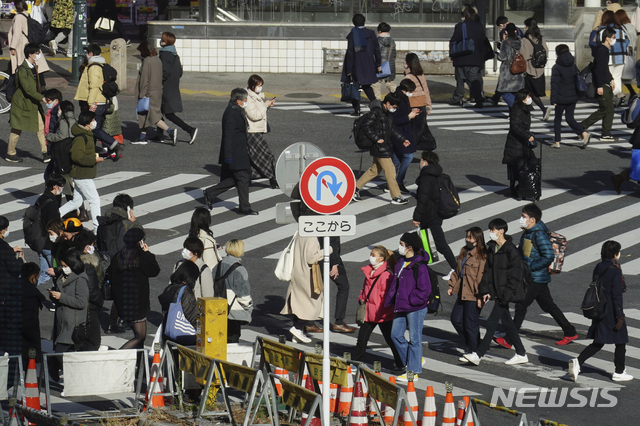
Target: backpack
x=630 y=116
x=539 y=56
x=110 y=235
x=33 y=228
x=518 y=64
x=61 y=154
x=362 y=141
x=433 y=302
x=449 y=198
x=219 y=286
x=109 y=76
x=559 y=243
x=36 y=33
x=594 y=302
x=11 y=86
x=587 y=75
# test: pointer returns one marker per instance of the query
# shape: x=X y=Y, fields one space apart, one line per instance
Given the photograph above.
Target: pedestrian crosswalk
x=164 y=206
x=491 y=120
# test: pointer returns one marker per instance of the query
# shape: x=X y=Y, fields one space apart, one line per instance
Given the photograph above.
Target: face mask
x=53 y=238
x=66 y=270
x=90 y=249
x=93 y=125
x=402 y=250
x=392 y=110
x=186 y=254
x=6 y=233
x=59 y=113
x=409 y=95
x=493 y=236
x=469 y=245
x=38 y=56
x=422 y=165
x=523 y=222
x=49 y=106
x=612 y=42
x=373 y=261
x=258 y=89
x=243 y=106
x=528 y=101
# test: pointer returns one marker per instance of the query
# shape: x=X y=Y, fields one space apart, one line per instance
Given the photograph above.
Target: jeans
x=568 y=110
x=618 y=355
x=84 y=189
x=45 y=263
x=410 y=352
x=401 y=166
x=604 y=112
x=363 y=338
x=440 y=241
x=104 y=137
x=465 y=317
x=500 y=312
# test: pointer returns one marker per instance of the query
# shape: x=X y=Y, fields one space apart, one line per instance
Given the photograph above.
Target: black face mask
x=469 y=245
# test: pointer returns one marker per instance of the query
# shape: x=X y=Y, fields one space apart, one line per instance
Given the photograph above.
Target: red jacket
x=376 y=311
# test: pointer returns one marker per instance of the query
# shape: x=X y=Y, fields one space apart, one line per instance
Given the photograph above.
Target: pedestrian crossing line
x=158 y=185
x=21 y=184
x=631 y=268
x=100 y=182
x=5 y=170
x=580 y=319
x=632 y=313
x=631 y=351
x=591 y=254
x=461 y=220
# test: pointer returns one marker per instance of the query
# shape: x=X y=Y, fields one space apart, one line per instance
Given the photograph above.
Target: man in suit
x=234 y=156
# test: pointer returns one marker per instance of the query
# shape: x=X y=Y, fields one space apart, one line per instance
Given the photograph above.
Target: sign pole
x=326 y=366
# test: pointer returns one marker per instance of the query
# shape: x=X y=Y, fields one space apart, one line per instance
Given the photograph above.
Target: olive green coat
x=26 y=103
x=83 y=153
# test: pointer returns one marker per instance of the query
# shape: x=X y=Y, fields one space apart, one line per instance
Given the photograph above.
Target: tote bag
x=178 y=328
x=284 y=268
x=143 y=105
x=105 y=24
x=350 y=91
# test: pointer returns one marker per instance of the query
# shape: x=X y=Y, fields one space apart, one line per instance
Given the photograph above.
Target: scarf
x=624 y=284
x=359 y=39
x=171 y=49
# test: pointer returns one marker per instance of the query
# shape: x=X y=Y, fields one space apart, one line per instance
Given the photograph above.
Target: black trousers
x=473 y=77
x=368 y=90
x=230 y=178
x=441 y=242
x=363 y=338
x=465 y=318
x=618 y=355
x=233 y=331
x=500 y=313
x=178 y=122
x=342 y=295
x=569 y=111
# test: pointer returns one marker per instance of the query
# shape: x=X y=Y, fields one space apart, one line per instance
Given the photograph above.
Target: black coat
x=188 y=301
x=600 y=70
x=50 y=211
x=502 y=272
x=635 y=139
x=234 y=154
x=32 y=300
x=476 y=32
x=428 y=197
x=403 y=125
x=601 y=331
x=516 y=146
x=379 y=125
x=10 y=302
x=362 y=65
x=563 y=80
x=131 y=287
x=171 y=74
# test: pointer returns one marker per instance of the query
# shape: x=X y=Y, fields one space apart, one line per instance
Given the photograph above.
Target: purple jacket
x=407 y=294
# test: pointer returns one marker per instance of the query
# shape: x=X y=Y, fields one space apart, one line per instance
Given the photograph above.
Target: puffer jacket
x=428 y=197
x=473 y=270
x=83 y=153
x=256 y=112
x=407 y=293
x=376 y=311
x=379 y=125
x=563 y=80
x=503 y=271
x=90 y=85
x=517 y=145
x=537 y=251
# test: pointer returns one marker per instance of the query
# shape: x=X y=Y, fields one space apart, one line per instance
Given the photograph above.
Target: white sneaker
x=299 y=335
x=622 y=377
x=53 y=46
x=473 y=358
x=463 y=359
x=448 y=276
x=574 y=369
x=518 y=359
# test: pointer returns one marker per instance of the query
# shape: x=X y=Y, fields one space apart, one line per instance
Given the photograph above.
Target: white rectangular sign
x=327 y=226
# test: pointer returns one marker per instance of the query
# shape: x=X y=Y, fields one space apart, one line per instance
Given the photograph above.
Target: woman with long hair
x=201 y=228
x=465 y=314
x=130 y=270
x=632 y=34
x=534 y=77
x=516 y=148
x=420 y=99
x=185 y=276
x=17 y=40
x=509 y=83
x=402 y=155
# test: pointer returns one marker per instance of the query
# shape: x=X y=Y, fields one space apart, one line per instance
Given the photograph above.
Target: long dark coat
x=234 y=154
x=516 y=146
x=428 y=196
x=362 y=65
x=601 y=331
x=131 y=287
x=171 y=74
x=71 y=308
x=475 y=31
x=9 y=299
x=403 y=125
x=95 y=275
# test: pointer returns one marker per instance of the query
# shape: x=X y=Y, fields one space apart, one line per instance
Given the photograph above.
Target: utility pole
x=79 y=39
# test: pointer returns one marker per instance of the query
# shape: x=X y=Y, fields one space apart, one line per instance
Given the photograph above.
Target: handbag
x=105 y=24
x=177 y=327
x=316 y=278
x=635 y=165
x=581 y=85
x=385 y=67
x=80 y=334
x=350 y=91
x=518 y=64
x=361 y=311
x=418 y=101
x=629 y=70
x=488 y=50
x=284 y=268
x=143 y=105
x=464 y=47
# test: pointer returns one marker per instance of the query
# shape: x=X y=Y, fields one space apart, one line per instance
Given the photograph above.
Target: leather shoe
x=313 y=329
x=84 y=216
x=207 y=200
x=249 y=212
x=342 y=328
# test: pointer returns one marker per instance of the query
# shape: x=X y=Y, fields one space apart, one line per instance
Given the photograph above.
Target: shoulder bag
x=284 y=268
x=316 y=278
x=418 y=101
x=80 y=334
x=361 y=311
x=464 y=47
x=177 y=327
x=350 y=91
x=385 y=67
x=518 y=63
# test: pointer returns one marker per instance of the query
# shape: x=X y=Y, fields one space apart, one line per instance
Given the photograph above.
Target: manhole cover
x=303 y=95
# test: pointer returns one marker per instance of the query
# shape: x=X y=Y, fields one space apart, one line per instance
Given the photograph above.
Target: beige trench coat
x=17 y=40
x=300 y=300
x=150 y=84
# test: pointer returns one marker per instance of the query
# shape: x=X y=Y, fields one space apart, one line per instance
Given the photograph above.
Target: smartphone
x=273 y=98
x=129 y=212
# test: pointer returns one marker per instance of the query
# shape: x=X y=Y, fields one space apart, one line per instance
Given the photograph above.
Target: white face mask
x=6 y=233
x=243 y=106
x=59 y=113
x=66 y=270
x=612 y=42
x=93 y=125
x=528 y=101
x=493 y=236
x=53 y=238
x=402 y=250
x=373 y=261
x=186 y=254
x=410 y=94
x=258 y=89
x=523 y=222
x=90 y=249
x=392 y=110
x=59 y=191
x=38 y=56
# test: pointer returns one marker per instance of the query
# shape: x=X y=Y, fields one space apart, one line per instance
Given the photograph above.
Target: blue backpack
x=631 y=115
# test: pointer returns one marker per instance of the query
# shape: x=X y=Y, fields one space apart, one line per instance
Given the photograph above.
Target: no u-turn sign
x=327 y=185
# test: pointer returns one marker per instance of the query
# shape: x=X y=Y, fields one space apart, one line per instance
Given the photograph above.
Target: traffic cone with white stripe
x=469 y=413
x=31 y=390
x=429 y=411
x=461 y=410
x=333 y=395
x=412 y=402
x=308 y=383
x=449 y=413
x=346 y=393
x=358 y=409
x=280 y=372
x=157 y=401
x=389 y=411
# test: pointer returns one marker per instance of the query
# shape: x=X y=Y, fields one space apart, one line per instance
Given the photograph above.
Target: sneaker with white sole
x=547 y=113
x=356 y=196
x=399 y=201
x=448 y=276
x=622 y=377
x=404 y=378
x=574 y=369
x=299 y=335
x=518 y=359
x=193 y=134
x=463 y=359
x=609 y=138
x=473 y=358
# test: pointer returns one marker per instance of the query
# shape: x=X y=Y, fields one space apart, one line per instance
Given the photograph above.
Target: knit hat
x=73 y=225
x=133 y=236
x=412 y=239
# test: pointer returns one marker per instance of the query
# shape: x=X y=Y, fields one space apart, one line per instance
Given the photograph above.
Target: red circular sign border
x=311 y=169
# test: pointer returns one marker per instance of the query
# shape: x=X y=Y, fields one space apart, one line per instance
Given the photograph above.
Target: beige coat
x=614 y=7
x=527 y=52
x=18 y=40
x=421 y=87
x=473 y=270
x=256 y=112
x=149 y=84
x=300 y=300
x=210 y=255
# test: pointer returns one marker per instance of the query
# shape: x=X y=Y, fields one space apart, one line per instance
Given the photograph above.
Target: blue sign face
x=334 y=185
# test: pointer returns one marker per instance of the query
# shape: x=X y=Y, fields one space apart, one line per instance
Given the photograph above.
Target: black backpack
x=36 y=34
x=433 y=303
x=449 y=198
x=219 y=286
x=594 y=302
x=61 y=154
x=109 y=76
x=33 y=228
x=11 y=87
x=110 y=235
x=539 y=56
x=362 y=140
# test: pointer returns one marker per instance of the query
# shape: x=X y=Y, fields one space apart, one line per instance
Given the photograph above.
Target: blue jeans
x=465 y=317
x=106 y=139
x=401 y=166
x=410 y=352
x=45 y=263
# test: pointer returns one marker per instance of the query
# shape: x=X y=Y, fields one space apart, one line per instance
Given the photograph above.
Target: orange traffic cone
x=358 y=409
x=31 y=391
x=280 y=372
x=157 y=401
x=389 y=411
x=468 y=415
x=346 y=394
x=308 y=383
x=412 y=403
x=333 y=394
x=429 y=412
x=449 y=413
x=461 y=409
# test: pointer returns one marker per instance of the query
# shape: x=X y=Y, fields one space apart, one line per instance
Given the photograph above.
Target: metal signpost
x=327 y=186
x=79 y=40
